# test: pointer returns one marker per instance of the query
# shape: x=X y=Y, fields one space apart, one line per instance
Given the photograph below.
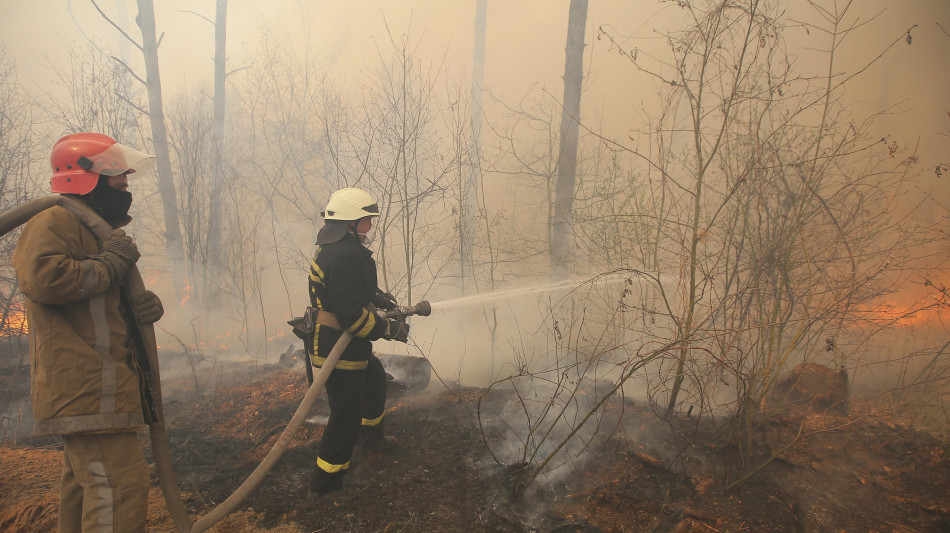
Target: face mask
x=113 y=203
x=368 y=237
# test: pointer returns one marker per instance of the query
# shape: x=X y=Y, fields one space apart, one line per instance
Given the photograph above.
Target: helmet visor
x=117 y=159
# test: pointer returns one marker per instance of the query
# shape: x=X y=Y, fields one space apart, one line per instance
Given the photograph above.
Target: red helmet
x=79 y=158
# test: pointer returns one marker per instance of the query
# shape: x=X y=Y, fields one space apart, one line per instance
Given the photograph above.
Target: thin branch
x=116 y=26
x=236 y=70
x=196 y=14
x=132 y=104
x=129 y=70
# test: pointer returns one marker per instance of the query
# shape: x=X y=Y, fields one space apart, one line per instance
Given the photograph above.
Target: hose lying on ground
x=280 y=446
x=13 y=218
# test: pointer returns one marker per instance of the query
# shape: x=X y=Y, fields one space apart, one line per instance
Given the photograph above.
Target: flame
x=900 y=315
x=280 y=335
x=186 y=294
x=16 y=324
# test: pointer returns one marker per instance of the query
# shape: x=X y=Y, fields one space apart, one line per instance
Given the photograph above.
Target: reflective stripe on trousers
x=105 y=483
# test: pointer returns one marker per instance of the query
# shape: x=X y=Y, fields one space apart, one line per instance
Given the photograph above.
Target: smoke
x=551 y=355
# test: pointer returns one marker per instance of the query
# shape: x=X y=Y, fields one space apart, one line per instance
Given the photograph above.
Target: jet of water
x=509 y=294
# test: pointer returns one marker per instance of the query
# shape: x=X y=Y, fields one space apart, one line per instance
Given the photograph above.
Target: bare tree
x=98 y=97
x=468 y=194
x=159 y=136
x=769 y=213
x=561 y=232
x=156 y=113
x=191 y=143
x=197 y=142
x=391 y=143
x=278 y=179
x=220 y=107
x=774 y=208
x=525 y=149
x=16 y=187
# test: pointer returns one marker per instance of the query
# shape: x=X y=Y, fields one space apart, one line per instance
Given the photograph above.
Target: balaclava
x=112 y=204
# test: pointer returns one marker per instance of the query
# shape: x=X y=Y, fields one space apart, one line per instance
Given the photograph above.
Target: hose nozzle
x=423 y=308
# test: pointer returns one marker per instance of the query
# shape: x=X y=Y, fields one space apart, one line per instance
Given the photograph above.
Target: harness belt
x=326 y=318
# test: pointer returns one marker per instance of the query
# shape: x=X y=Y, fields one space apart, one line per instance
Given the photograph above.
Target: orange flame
x=901 y=316
x=16 y=324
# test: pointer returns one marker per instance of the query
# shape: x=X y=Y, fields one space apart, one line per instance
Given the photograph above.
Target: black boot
x=323 y=482
x=383 y=444
x=377 y=441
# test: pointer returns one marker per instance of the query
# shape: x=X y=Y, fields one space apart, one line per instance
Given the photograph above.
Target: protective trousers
x=104 y=485
x=357 y=399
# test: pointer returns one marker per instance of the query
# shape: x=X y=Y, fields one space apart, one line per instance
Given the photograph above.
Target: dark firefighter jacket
x=343 y=282
x=83 y=378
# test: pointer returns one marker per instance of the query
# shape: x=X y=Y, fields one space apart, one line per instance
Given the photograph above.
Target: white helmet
x=345 y=206
x=350 y=204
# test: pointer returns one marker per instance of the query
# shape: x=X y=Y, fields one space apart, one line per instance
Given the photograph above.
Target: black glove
x=396 y=330
x=148 y=308
x=384 y=300
x=118 y=253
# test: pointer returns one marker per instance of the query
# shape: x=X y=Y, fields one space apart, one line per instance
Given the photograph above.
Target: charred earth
x=814 y=471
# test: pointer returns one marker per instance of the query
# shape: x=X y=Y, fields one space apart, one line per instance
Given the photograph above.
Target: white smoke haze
x=557 y=350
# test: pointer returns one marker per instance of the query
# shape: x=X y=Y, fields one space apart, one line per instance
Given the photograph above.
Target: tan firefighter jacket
x=84 y=377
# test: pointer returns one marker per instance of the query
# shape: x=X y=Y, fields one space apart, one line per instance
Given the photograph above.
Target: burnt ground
x=863 y=472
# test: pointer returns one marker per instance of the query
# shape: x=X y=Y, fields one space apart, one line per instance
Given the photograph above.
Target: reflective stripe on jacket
x=83 y=376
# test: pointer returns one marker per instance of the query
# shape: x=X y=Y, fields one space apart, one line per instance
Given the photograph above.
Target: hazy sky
x=525 y=42
x=525 y=50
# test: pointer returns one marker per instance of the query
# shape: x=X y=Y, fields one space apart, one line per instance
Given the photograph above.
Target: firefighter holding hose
x=86 y=383
x=343 y=290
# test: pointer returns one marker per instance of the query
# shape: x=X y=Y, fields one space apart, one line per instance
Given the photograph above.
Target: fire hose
x=422 y=308
x=19 y=215
x=280 y=446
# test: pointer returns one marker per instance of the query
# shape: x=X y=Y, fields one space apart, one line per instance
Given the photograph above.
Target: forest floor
x=861 y=472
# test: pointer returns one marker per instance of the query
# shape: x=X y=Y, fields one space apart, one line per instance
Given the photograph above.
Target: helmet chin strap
x=366 y=238
x=351 y=229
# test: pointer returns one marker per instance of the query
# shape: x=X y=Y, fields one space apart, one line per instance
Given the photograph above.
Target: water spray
x=425 y=308
x=519 y=292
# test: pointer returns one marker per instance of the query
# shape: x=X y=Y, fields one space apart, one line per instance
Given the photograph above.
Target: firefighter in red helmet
x=86 y=385
x=343 y=290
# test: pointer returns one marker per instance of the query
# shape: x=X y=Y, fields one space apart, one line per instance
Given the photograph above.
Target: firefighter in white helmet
x=86 y=384
x=343 y=289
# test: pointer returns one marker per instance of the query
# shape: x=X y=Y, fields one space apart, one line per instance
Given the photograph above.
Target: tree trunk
x=469 y=199
x=561 y=231
x=217 y=166
x=166 y=183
